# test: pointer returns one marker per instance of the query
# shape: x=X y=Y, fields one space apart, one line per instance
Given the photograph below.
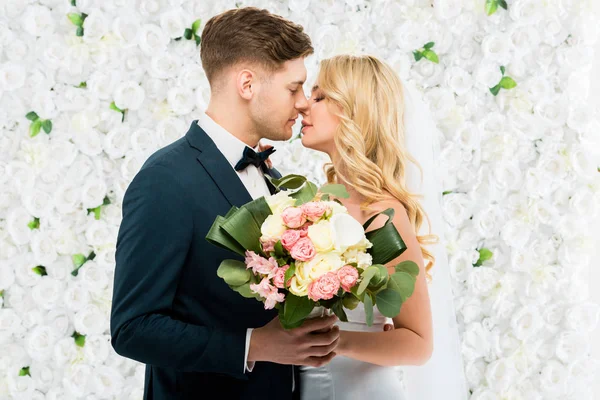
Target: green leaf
x=243 y=228
x=219 y=237
x=338 y=309
x=198 y=40
x=32 y=116
x=35 y=224
x=245 y=291
x=368 y=304
x=305 y=194
x=403 y=283
x=279 y=250
x=79 y=339
x=447 y=192
x=350 y=301
x=78 y=260
x=76 y=19
x=495 y=90
x=508 y=83
x=296 y=309
x=502 y=69
x=503 y=4
x=418 y=55
x=335 y=189
x=259 y=209
x=431 y=56
x=366 y=277
x=289 y=273
x=113 y=106
x=380 y=277
x=187 y=34
x=491 y=6
x=40 y=270
x=82 y=85
x=429 y=45
x=79 y=31
x=106 y=201
x=24 y=371
x=387 y=242
x=47 y=126
x=196 y=25
x=291 y=181
x=234 y=272
x=1 y=293
x=484 y=255
x=389 y=302
x=74 y=3
x=97 y=212
x=410 y=267
x=35 y=127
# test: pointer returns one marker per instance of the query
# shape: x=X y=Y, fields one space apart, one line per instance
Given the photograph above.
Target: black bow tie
x=254 y=158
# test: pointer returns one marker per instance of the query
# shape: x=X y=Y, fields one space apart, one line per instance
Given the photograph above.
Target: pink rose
x=348 y=276
x=304 y=229
x=289 y=238
x=269 y=292
x=268 y=246
x=314 y=210
x=303 y=250
x=293 y=217
x=324 y=288
x=279 y=277
x=260 y=265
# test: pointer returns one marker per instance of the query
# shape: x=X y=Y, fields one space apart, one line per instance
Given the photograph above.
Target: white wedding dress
x=442 y=377
x=348 y=379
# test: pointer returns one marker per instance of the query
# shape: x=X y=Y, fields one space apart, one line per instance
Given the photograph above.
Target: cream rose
x=272 y=228
x=321 y=235
x=279 y=202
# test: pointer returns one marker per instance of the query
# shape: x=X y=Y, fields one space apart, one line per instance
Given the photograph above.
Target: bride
x=380 y=139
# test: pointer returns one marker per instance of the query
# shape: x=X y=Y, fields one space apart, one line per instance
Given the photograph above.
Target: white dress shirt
x=252 y=178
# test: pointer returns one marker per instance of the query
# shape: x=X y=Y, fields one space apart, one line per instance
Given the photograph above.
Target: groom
x=170 y=310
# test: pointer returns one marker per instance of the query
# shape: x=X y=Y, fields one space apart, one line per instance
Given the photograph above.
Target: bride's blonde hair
x=370 y=138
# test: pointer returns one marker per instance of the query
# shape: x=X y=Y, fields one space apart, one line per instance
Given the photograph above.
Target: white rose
x=475 y=372
x=525 y=11
x=20 y=387
x=192 y=76
x=37 y=202
x=89 y=142
x=320 y=265
x=77 y=380
x=524 y=38
x=7 y=275
x=47 y=294
x=152 y=39
x=12 y=76
x=488 y=74
x=93 y=193
x=544 y=212
x=116 y=143
x=500 y=374
x=129 y=95
x=461 y=265
x=475 y=341
x=410 y=35
x=576 y=252
x=156 y=89
x=428 y=73
x=482 y=280
x=107 y=381
x=327 y=37
x=98 y=233
x=90 y=321
x=583 y=203
x=497 y=47
x=126 y=28
x=279 y=202
x=440 y=101
x=59 y=320
x=459 y=80
x=95 y=25
x=582 y=163
x=22 y=175
x=321 y=235
x=65 y=351
x=466 y=52
x=336 y=208
x=181 y=99
x=484 y=394
x=583 y=318
x=516 y=233
x=130 y=166
x=135 y=64
x=165 y=66
x=76 y=298
x=526 y=322
x=554 y=378
x=102 y=83
x=169 y=130
x=38 y=21
x=106 y=256
x=272 y=228
x=19 y=299
x=96 y=349
x=16 y=225
x=172 y=23
x=42 y=247
x=572 y=346
x=507 y=176
x=488 y=221
x=10 y=322
x=66 y=198
x=506 y=344
x=42 y=375
x=93 y=277
x=456 y=208
x=143 y=141
x=40 y=342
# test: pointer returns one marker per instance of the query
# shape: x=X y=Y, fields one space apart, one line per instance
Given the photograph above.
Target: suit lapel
x=215 y=164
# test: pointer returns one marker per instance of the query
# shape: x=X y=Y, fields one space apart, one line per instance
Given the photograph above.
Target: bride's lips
x=305 y=126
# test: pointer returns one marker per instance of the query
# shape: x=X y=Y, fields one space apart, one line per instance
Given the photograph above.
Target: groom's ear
x=245 y=80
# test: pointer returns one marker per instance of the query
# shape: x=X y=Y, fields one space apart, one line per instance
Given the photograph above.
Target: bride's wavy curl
x=370 y=138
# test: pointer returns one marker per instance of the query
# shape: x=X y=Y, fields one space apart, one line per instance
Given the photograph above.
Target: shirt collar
x=230 y=146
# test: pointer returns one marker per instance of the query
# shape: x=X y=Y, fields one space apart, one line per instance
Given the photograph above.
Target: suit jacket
x=170 y=310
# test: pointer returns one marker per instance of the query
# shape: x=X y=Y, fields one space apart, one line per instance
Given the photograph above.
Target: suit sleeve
x=152 y=245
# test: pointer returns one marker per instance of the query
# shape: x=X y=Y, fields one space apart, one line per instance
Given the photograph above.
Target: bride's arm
x=411 y=342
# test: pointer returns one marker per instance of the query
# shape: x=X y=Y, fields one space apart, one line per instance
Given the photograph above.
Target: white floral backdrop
x=90 y=88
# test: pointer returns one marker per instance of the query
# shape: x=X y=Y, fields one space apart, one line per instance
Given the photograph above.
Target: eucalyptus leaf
x=350 y=301
x=245 y=291
x=368 y=304
x=366 y=278
x=291 y=182
x=380 y=278
x=305 y=194
x=234 y=272
x=409 y=267
x=389 y=302
x=403 y=283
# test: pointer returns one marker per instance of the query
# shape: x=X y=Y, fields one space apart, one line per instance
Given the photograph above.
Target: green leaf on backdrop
x=78 y=338
x=35 y=127
x=431 y=56
x=484 y=255
x=40 y=270
x=32 y=116
x=429 y=45
x=47 y=126
x=508 y=83
x=196 y=25
x=35 y=224
x=24 y=372
x=418 y=55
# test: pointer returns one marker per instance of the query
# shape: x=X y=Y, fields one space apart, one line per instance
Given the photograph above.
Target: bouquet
x=302 y=251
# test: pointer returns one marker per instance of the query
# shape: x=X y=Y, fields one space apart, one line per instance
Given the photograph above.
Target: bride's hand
x=388 y=327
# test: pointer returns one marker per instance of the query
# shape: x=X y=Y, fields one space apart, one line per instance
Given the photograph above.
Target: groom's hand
x=312 y=344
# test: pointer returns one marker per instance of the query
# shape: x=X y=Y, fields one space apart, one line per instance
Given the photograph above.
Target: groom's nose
x=301 y=104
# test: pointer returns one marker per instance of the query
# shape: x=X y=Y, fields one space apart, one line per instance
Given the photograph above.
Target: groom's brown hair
x=252 y=35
